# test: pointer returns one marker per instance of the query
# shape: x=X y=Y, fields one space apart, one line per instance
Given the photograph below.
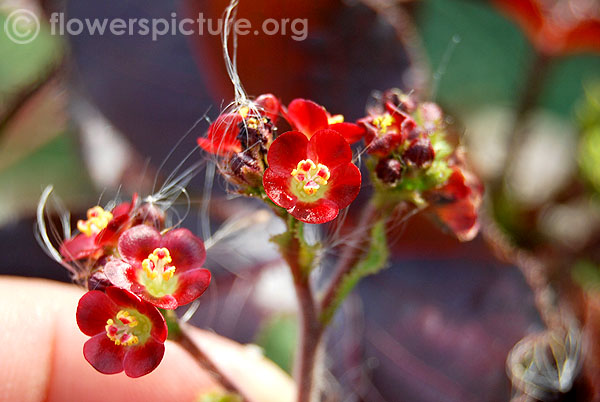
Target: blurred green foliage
x=277 y=337
x=491 y=62
x=37 y=147
x=587 y=275
x=589 y=145
x=23 y=64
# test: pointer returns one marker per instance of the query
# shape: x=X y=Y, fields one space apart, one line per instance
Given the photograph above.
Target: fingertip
x=42 y=358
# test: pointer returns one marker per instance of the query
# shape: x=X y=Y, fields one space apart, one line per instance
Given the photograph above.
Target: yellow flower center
x=97 y=219
x=383 y=122
x=120 y=331
x=156 y=266
x=311 y=176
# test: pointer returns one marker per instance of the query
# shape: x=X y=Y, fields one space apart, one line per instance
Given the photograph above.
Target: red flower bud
x=419 y=153
x=389 y=170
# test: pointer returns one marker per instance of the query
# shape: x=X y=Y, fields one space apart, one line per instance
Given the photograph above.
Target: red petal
x=219 y=148
x=137 y=243
x=93 y=310
x=141 y=360
x=456 y=188
x=270 y=105
x=222 y=135
x=350 y=131
x=80 y=246
x=191 y=285
x=124 y=208
x=103 y=354
x=168 y=302
x=307 y=116
x=320 y=211
x=286 y=151
x=384 y=145
x=187 y=250
x=277 y=187
x=120 y=273
x=344 y=185
x=461 y=217
x=124 y=298
x=329 y=148
x=110 y=234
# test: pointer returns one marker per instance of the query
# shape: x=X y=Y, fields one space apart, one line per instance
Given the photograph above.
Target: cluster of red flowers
x=309 y=171
x=134 y=267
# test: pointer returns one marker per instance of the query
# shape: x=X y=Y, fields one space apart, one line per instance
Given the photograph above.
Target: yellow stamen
x=383 y=122
x=157 y=264
x=97 y=220
x=338 y=118
x=120 y=331
x=311 y=175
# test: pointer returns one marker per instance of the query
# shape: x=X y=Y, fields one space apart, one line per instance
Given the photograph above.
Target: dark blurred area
x=96 y=114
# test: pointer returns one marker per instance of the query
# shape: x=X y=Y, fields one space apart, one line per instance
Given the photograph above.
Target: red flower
x=222 y=138
x=313 y=179
x=163 y=270
x=387 y=131
x=308 y=117
x=457 y=203
x=556 y=28
x=126 y=332
x=102 y=228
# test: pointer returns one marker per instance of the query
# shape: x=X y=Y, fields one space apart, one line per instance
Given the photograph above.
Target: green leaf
x=375 y=260
x=278 y=338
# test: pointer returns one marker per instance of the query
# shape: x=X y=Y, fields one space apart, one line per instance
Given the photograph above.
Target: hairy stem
x=311 y=330
x=186 y=342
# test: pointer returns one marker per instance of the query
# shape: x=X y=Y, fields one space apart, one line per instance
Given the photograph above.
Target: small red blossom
x=457 y=203
x=102 y=228
x=312 y=179
x=127 y=333
x=386 y=131
x=309 y=117
x=222 y=137
x=163 y=270
x=556 y=27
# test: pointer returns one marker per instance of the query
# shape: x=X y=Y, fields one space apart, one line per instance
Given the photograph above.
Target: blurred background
x=102 y=114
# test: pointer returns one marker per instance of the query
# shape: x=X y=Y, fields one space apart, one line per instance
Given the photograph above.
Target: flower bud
x=389 y=170
x=98 y=280
x=244 y=170
x=398 y=99
x=419 y=153
x=149 y=214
